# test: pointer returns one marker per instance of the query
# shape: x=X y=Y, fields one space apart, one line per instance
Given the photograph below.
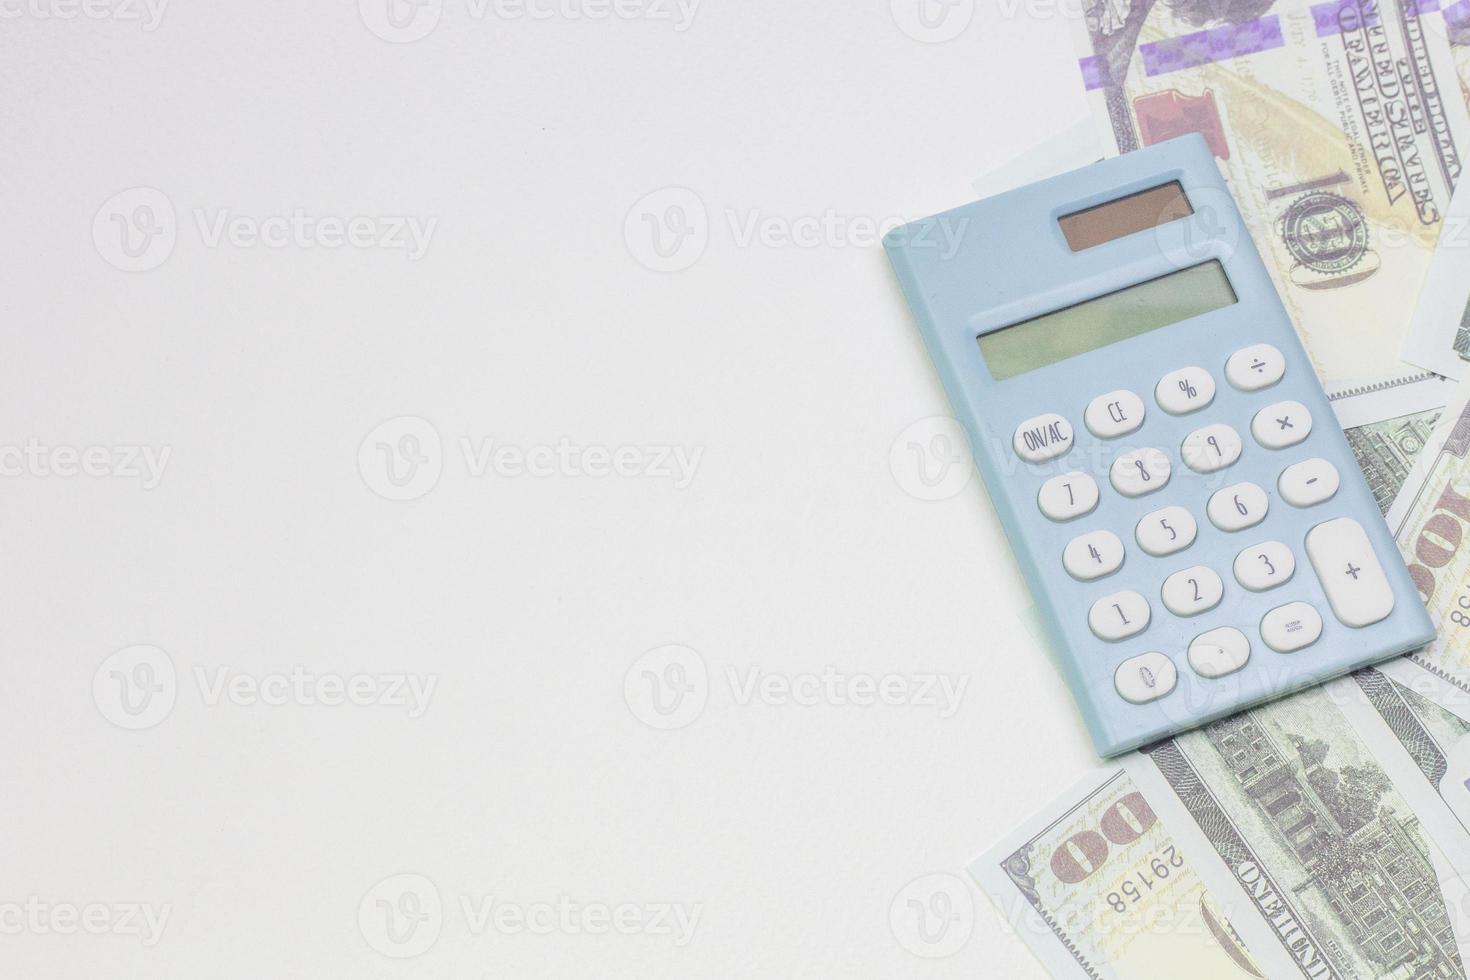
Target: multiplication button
x=1281 y=425
x=1042 y=438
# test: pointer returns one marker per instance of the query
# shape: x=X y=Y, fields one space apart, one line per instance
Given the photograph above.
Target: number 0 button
x=1145 y=678
x=1093 y=555
x=1166 y=531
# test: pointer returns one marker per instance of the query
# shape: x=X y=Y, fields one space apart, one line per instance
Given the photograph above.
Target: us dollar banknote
x=1339 y=125
x=1439 y=335
x=1386 y=451
x=1430 y=520
x=1098 y=888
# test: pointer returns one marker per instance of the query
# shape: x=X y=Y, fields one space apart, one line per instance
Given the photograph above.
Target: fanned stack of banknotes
x=1327 y=834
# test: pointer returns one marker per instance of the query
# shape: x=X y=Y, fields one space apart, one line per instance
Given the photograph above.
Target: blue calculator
x=1188 y=514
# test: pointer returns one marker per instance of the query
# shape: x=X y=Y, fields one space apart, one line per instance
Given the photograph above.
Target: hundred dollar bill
x=1098 y=888
x=1430 y=520
x=1295 y=805
x=1387 y=426
x=1439 y=335
x=1339 y=126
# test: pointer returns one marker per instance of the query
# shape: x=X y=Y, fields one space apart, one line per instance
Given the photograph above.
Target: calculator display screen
x=1151 y=305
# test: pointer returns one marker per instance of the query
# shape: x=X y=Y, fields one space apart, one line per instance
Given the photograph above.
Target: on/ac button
x=1042 y=438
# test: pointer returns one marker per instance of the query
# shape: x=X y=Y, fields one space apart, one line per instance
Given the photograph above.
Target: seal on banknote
x=1327 y=234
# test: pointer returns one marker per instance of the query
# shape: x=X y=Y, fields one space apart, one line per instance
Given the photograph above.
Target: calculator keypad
x=1115 y=414
x=1186 y=390
x=1281 y=425
x=1255 y=367
x=1139 y=472
x=1238 y=507
x=1093 y=555
x=1339 y=550
x=1210 y=449
x=1119 y=616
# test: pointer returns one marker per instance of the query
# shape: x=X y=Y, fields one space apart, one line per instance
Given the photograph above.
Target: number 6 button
x=1237 y=507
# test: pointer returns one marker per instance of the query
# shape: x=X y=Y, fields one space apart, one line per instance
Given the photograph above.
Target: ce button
x=1115 y=414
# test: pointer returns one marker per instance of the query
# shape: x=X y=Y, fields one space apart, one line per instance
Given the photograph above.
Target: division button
x=1255 y=367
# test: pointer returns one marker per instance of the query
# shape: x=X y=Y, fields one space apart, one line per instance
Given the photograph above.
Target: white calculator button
x=1238 y=507
x=1345 y=562
x=1265 y=566
x=1219 y=652
x=1307 y=483
x=1193 y=591
x=1093 y=555
x=1145 y=678
x=1212 y=448
x=1114 y=414
x=1281 y=425
x=1042 y=438
x=1186 y=390
x=1139 y=472
x=1166 y=531
x=1117 y=616
x=1255 y=367
x=1289 y=628
x=1067 y=496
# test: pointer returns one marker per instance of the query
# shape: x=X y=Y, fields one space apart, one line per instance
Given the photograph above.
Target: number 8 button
x=1142 y=471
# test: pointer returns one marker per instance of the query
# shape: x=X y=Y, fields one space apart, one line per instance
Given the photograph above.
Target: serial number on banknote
x=1151 y=870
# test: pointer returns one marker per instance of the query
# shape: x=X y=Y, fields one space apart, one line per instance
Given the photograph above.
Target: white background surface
x=261 y=370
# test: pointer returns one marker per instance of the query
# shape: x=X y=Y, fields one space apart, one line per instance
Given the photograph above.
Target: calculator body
x=1145 y=643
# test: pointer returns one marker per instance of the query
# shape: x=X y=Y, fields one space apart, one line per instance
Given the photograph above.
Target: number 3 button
x=1142 y=471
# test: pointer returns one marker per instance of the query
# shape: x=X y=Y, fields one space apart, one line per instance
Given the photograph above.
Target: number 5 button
x=1142 y=471
x=1166 y=531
